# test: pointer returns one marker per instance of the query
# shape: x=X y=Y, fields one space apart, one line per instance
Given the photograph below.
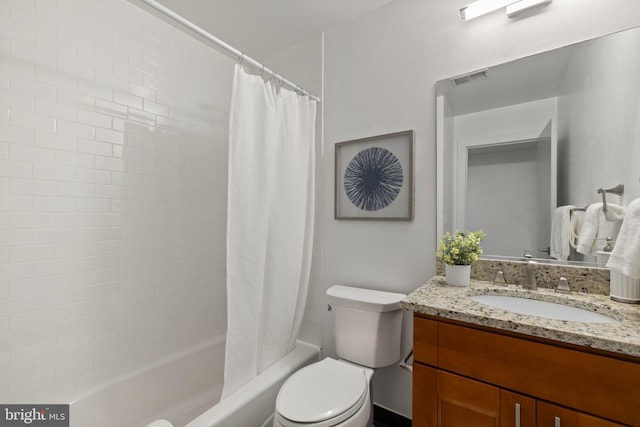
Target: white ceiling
x=261 y=28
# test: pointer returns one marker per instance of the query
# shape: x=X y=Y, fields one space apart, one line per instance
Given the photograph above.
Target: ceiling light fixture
x=517 y=8
x=481 y=7
x=514 y=7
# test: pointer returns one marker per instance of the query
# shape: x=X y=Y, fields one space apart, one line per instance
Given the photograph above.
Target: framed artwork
x=374 y=178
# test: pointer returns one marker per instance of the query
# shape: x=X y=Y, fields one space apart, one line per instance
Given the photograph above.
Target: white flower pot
x=458 y=275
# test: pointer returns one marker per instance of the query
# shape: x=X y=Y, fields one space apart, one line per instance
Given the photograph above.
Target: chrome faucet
x=530 y=275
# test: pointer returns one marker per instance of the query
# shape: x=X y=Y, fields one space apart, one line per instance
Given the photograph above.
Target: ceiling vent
x=470 y=77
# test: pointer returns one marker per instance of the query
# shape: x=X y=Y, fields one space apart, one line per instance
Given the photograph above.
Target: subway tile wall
x=113 y=151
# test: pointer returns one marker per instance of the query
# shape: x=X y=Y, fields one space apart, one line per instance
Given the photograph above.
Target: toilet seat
x=322 y=394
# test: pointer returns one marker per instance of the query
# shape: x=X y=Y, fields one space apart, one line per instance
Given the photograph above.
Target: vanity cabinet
x=464 y=402
x=466 y=375
x=517 y=408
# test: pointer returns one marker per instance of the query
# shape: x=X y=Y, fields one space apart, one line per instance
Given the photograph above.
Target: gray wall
x=380 y=73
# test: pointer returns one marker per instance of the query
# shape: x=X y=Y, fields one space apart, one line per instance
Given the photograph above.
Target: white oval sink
x=549 y=310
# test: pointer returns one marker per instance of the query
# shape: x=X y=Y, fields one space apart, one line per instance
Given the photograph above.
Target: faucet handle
x=499 y=279
x=530 y=269
x=563 y=286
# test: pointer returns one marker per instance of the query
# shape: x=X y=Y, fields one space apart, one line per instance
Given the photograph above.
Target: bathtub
x=254 y=403
x=185 y=390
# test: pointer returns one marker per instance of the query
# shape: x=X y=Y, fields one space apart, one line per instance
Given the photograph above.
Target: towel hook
x=618 y=190
x=604 y=199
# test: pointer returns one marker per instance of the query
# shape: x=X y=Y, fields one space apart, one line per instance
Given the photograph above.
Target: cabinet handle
x=557 y=422
x=517 y=415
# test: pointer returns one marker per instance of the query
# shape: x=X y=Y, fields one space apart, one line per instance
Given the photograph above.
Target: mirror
x=517 y=140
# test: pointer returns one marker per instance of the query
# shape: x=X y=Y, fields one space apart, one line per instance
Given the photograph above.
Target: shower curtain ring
x=241 y=58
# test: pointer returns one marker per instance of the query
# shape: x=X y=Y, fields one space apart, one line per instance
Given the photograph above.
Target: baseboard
x=389 y=418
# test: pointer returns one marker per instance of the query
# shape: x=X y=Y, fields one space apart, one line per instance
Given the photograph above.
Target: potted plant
x=459 y=250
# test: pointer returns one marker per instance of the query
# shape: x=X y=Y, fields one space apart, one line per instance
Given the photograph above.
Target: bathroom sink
x=546 y=309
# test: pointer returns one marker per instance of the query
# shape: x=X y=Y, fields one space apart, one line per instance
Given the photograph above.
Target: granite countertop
x=436 y=298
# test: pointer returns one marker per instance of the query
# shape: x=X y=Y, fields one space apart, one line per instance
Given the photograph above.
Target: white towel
x=596 y=227
x=625 y=256
x=594 y=222
x=561 y=233
x=576 y=220
x=614 y=213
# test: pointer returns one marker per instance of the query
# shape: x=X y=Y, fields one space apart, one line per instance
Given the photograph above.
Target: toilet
x=336 y=393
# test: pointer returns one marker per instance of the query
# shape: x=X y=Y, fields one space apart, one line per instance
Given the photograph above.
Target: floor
x=386 y=418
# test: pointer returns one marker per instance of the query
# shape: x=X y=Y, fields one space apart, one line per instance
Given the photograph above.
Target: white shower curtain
x=269 y=224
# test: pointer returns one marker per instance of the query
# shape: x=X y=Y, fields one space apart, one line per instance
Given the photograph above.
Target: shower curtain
x=269 y=224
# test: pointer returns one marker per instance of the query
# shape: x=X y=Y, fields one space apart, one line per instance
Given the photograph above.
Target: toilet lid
x=321 y=391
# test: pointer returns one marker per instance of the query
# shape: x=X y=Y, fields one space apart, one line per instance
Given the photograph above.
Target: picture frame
x=374 y=178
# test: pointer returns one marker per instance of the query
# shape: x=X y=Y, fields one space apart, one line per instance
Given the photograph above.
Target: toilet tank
x=367 y=325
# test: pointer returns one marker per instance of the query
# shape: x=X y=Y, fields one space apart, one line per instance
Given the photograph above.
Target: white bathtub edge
x=261 y=392
x=149 y=393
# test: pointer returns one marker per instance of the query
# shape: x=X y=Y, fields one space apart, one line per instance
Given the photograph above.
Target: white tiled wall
x=112 y=194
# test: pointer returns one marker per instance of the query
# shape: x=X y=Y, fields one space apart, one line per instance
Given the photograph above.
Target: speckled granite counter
x=436 y=298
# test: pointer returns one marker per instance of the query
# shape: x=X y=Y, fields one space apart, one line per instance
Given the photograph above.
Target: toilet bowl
x=336 y=392
x=329 y=393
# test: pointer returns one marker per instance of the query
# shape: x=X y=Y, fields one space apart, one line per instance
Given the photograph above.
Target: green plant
x=460 y=248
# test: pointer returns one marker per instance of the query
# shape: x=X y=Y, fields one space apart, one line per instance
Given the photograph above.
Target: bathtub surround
x=113 y=163
x=177 y=388
x=269 y=224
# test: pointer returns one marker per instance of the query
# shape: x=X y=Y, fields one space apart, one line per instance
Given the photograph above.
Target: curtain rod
x=230 y=50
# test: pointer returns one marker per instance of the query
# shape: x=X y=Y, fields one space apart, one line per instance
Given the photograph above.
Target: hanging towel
x=594 y=221
x=576 y=220
x=596 y=227
x=614 y=213
x=561 y=233
x=625 y=256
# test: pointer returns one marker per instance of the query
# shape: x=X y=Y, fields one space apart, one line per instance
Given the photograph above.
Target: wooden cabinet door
x=589 y=421
x=555 y=416
x=517 y=410
x=425 y=388
x=465 y=402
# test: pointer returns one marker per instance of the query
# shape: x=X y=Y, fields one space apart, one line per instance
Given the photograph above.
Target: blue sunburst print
x=373 y=179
